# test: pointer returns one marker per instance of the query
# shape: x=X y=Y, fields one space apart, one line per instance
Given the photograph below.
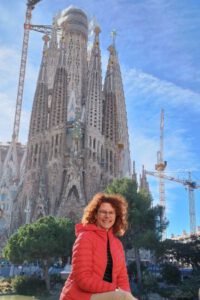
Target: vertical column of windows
x=52 y=147
x=111 y=162
x=39 y=154
x=35 y=155
x=30 y=157
x=98 y=151
x=107 y=160
x=56 y=145
x=94 y=143
x=60 y=144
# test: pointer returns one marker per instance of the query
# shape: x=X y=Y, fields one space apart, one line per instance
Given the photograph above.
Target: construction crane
x=11 y=170
x=160 y=167
x=11 y=161
x=27 y=26
x=191 y=185
x=11 y=157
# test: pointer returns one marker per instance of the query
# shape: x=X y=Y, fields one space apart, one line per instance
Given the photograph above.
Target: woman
x=98 y=261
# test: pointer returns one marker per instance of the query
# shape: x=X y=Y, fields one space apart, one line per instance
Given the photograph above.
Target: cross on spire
x=113 y=35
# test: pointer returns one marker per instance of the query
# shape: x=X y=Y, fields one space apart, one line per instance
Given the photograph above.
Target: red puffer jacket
x=89 y=262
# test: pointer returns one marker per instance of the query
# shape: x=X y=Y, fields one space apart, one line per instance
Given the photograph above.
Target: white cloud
x=145 y=84
x=9 y=65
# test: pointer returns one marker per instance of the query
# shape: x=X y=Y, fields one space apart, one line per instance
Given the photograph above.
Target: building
x=78 y=136
x=8 y=183
x=186 y=237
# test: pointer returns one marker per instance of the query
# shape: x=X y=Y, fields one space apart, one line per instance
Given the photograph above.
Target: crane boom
x=185 y=182
x=191 y=185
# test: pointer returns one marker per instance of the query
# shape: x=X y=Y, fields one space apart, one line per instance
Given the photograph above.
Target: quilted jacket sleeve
x=82 y=266
x=122 y=279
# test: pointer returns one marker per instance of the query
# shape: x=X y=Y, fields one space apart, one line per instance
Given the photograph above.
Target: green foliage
x=167 y=292
x=189 y=288
x=25 y=285
x=48 y=237
x=184 y=252
x=56 y=278
x=150 y=283
x=145 y=226
x=132 y=269
x=185 y=290
x=171 y=274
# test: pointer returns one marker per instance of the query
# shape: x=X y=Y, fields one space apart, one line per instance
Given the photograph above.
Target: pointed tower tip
x=46 y=38
x=111 y=49
x=97 y=30
x=113 y=35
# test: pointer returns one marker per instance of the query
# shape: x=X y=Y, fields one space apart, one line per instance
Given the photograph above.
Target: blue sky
x=158 y=43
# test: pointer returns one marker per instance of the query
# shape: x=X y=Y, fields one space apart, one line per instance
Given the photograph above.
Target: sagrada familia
x=78 y=136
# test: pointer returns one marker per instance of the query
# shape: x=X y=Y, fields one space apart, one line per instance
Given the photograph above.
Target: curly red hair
x=118 y=203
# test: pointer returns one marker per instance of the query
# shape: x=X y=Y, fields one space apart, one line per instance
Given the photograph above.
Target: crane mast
x=27 y=27
x=11 y=160
x=160 y=167
x=11 y=171
x=192 y=211
x=191 y=186
x=22 y=73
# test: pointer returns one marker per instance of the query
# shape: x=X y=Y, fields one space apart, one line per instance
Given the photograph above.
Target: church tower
x=94 y=110
x=115 y=129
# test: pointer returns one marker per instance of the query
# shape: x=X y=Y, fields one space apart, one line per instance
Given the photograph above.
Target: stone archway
x=73 y=195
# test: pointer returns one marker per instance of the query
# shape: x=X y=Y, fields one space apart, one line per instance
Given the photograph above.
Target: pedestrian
x=98 y=262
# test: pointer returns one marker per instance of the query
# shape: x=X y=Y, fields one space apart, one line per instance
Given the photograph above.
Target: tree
x=171 y=274
x=145 y=226
x=185 y=252
x=47 y=238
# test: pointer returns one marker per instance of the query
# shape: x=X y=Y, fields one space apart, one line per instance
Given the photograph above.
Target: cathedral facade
x=78 y=136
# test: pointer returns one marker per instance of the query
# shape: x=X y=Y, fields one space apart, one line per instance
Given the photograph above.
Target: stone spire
x=110 y=119
x=115 y=128
x=134 y=174
x=58 y=112
x=40 y=107
x=52 y=55
x=94 y=104
x=144 y=185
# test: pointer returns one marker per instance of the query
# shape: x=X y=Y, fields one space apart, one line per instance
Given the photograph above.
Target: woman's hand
x=131 y=296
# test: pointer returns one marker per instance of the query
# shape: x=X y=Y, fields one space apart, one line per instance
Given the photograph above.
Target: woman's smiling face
x=106 y=216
